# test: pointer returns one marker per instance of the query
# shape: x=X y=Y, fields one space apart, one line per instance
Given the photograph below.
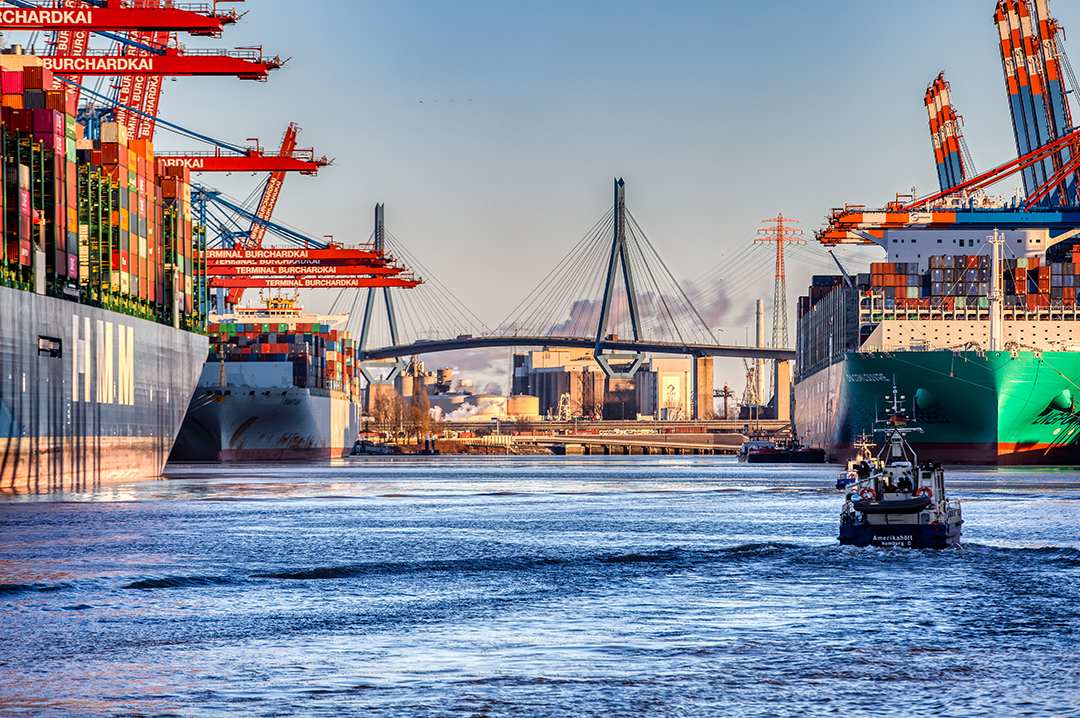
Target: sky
x=492 y=131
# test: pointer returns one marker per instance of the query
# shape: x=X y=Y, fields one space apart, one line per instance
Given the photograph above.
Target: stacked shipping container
x=962 y=283
x=322 y=358
x=92 y=221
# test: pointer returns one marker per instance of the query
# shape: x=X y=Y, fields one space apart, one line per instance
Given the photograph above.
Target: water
x=594 y=586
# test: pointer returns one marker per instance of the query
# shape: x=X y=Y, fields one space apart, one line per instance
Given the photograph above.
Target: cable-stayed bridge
x=612 y=293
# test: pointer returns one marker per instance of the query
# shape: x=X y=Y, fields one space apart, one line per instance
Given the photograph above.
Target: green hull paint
x=975 y=408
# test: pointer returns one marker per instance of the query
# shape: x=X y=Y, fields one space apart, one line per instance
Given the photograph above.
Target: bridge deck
x=470 y=342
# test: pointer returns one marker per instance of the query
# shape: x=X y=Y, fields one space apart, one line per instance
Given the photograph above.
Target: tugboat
x=895 y=500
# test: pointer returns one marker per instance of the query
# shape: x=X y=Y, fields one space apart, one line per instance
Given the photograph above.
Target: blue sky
x=492 y=130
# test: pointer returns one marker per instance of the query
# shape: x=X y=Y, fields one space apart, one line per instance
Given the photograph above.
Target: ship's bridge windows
x=939 y=241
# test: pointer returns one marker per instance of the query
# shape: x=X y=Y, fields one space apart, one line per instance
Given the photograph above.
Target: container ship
x=278 y=385
x=101 y=306
x=973 y=314
x=979 y=398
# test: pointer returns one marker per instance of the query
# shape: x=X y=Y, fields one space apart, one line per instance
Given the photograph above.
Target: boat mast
x=996 y=240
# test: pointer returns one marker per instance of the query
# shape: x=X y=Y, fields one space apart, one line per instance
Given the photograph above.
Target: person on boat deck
x=904 y=484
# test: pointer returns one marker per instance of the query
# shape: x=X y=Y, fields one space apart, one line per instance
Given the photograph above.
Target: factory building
x=569 y=384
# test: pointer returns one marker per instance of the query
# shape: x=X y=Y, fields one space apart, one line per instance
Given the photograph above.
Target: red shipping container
x=175 y=171
x=110 y=154
x=24 y=254
x=56 y=100
x=37 y=78
x=73 y=266
x=49 y=121
x=11 y=82
x=50 y=142
x=123 y=261
x=22 y=120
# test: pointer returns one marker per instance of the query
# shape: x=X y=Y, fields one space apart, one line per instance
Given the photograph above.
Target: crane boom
x=112 y=15
x=302 y=161
x=247 y=64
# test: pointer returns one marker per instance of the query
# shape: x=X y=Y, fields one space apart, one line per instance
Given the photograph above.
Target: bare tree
x=388 y=410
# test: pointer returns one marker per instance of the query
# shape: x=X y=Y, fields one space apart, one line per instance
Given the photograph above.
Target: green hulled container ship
x=1005 y=395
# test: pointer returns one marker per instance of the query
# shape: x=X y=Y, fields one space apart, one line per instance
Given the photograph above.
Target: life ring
x=924 y=491
x=852 y=475
x=868 y=494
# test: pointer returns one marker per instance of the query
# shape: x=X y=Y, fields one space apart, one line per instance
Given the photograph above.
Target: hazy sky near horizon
x=492 y=130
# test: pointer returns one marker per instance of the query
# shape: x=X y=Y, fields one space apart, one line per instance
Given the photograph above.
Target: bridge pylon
x=619 y=256
x=369 y=309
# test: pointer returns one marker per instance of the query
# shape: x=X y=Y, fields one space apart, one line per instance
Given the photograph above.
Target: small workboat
x=363 y=447
x=769 y=452
x=863 y=454
x=896 y=501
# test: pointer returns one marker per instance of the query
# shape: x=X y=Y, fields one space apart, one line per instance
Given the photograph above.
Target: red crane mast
x=72 y=42
x=267 y=203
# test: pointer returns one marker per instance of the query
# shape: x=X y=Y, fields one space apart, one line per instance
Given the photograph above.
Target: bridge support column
x=619 y=256
x=369 y=309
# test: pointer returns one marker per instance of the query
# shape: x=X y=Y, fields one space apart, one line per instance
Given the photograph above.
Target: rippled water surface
x=561 y=586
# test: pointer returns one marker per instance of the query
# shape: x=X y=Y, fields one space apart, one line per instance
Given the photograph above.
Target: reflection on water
x=591 y=586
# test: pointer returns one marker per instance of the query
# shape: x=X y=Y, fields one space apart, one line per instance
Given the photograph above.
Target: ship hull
x=989 y=408
x=87 y=396
x=256 y=415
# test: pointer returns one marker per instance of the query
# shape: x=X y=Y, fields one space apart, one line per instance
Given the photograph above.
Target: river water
x=532 y=586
